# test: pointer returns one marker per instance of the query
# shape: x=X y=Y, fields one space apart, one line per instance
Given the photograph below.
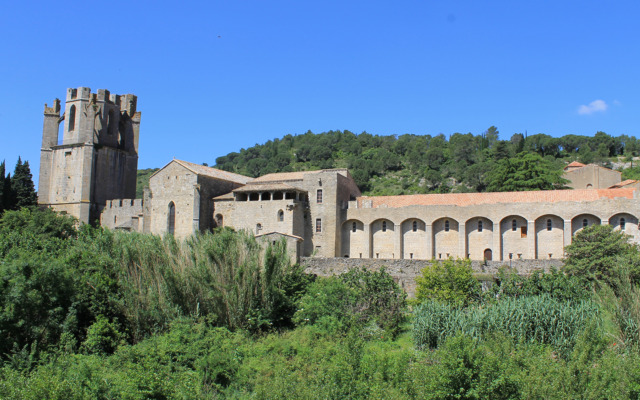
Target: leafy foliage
x=450 y=281
x=600 y=253
x=555 y=283
x=413 y=164
x=358 y=297
x=525 y=171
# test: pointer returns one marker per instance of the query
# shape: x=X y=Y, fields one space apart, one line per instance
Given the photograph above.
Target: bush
x=450 y=281
x=556 y=284
x=357 y=297
x=599 y=253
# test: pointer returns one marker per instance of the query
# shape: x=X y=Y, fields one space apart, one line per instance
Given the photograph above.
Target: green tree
x=599 y=253
x=449 y=281
x=6 y=194
x=525 y=171
x=22 y=186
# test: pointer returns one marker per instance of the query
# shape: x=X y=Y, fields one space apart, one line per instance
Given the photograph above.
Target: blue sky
x=216 y=76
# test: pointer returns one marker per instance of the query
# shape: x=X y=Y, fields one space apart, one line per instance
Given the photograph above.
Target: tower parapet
x=98 y=157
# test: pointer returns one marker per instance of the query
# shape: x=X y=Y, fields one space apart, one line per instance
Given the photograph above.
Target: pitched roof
x=283 y=176
x=250 y=187
x=575 y=164
x=282 y=234
x=210 y=172
x=624 y=183
x=469 y=199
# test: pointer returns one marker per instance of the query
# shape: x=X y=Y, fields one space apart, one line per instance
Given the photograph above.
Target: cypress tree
x=24 y=193
x=2 y=178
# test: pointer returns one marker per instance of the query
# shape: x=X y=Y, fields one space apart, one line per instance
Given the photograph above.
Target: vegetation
x=412 y=164
x=142 y=180
x=93 y=314
x=17 y=191
x=450 y=281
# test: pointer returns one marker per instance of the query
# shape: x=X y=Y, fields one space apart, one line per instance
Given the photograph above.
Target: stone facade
x=91 y=174
x=95 y=159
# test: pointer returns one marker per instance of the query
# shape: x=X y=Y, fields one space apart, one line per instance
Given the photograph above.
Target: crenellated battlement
x=125 y=203
x=54 y=110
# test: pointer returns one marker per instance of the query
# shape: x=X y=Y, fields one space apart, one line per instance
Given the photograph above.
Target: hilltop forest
x=412 y=164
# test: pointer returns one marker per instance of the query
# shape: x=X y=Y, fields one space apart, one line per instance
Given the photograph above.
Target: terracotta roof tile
x=469 y=199
x=576 y=164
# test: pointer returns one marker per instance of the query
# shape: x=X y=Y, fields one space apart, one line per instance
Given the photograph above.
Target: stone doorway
x=488 y=254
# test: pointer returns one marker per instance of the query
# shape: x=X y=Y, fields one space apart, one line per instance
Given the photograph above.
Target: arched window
x=622 y=224
x=384 y=226
x=171 y=221
x=585 y=223
x=354 y=226
x=72 y=118
x=446 y=225
x=549 y=224
x=479 y=226
x=415 y=226
x=514 y=225
x=219 y=220
x=280 y=216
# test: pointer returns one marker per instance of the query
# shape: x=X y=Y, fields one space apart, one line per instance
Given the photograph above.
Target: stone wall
x=405 y=271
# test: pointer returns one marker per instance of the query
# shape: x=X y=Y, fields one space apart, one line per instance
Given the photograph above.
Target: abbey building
x=91 y=174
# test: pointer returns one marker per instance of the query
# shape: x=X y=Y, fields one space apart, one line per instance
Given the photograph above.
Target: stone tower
x=96 y=159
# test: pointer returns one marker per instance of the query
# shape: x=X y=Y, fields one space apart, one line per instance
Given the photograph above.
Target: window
x=479 y=226
x=171 y=221
x=514 y=225
x=319 y=196
x=446 y=225
x=354 y=226
x=72 y=118
x=318 y=225
x=585 y=223
x=622 y=224
x=219 y=220
x=384 y=226
x=523 y=231
x=549 y=224
x=280 y=216
x=415 y=226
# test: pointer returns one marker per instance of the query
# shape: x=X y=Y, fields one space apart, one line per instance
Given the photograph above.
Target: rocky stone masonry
x=405 y=271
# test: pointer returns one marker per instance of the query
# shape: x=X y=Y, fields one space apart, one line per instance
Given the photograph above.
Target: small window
x=354 y=226
x=479 y=226
x=514 y=225
x=280 y=216
x=384 y=226
x=319 y=196
x=219 y=220
x=585 y=223
x=549 y=224
x=622 y=224
x=415 y=226
x=523 y=231
x=318 y=225
x=446 y=225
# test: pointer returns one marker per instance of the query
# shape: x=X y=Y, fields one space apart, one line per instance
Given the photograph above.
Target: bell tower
x=95 y=158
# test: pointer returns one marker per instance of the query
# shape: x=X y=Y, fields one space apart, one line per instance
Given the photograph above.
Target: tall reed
x=541 y=319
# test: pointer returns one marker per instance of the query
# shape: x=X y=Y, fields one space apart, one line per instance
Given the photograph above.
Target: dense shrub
x=534 y=319
x=599 y=253
x=450 y=281
x=357 y=297
x=555 y=283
